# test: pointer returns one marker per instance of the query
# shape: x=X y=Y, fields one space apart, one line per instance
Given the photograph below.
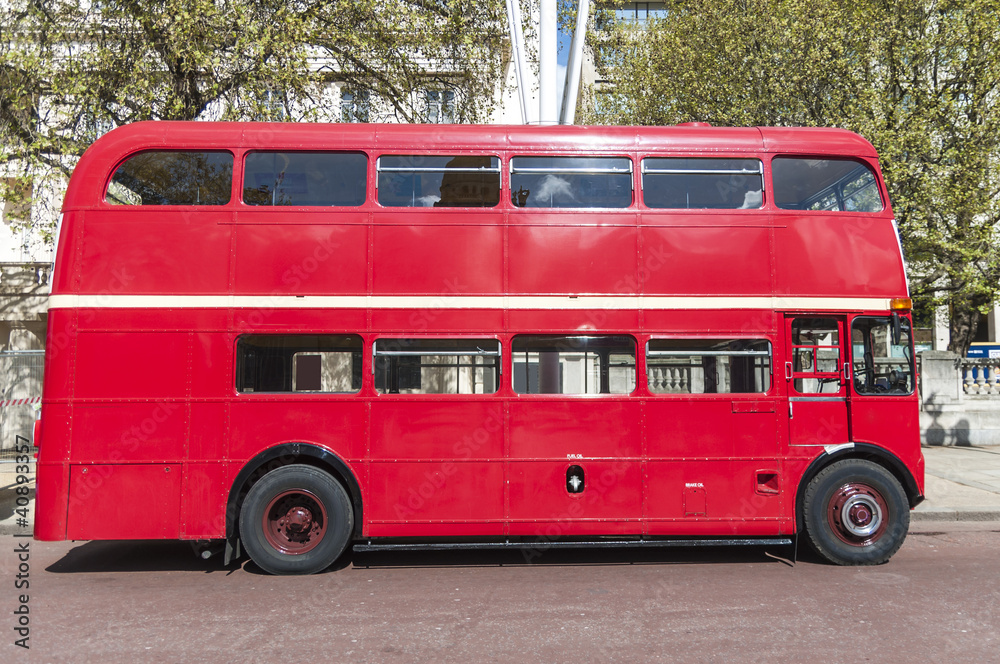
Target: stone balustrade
x=980 y=377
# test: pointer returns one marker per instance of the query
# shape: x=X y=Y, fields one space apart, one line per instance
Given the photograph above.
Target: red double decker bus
x=297 y=338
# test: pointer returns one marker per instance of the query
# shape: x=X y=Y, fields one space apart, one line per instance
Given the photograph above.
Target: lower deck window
x=574 y=364
x=708 y=366
x=437 y=366
x=298 y=363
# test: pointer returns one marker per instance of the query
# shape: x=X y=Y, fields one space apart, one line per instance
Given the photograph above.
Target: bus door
x=815 y=370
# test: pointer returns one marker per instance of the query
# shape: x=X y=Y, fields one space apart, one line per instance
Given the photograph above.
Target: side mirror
x=897 y=328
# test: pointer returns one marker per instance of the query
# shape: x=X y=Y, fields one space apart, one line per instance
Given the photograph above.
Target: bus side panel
x=143 y=365
x=610 y=503
x=436 y=459
x=438 y=260
x=404 y=322
x=706 y=260
x=709 y=497
x=188 y=254
x=51 y=501
x=335 y=423
x=574 y=260
x=891 y=423
x=135 y=432
x=203 y=505
x=131 y=501
x=445 y=497
x=712 y=458
x=602 y=437
x=300 y=258
x=824 y=255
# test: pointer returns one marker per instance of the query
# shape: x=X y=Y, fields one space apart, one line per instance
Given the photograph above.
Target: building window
x=437 y=366
x=640 y=12
x=440 y=106
x=298 y=363
x=545 y=364
x=355 y=106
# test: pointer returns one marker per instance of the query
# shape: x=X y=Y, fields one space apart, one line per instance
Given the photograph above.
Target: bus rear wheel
x=856 y=513
x=297 y=519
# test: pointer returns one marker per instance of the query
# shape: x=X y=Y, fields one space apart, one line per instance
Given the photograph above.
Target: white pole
x=575 y=64
x=548 y=46
x=517 y=52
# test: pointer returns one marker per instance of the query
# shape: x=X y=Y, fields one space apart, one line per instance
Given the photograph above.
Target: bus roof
x=93 y=169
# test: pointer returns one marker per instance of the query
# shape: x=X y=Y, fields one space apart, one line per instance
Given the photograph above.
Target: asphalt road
x=937 y=600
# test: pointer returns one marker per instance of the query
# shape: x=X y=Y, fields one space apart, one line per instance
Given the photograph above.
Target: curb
x=956 y=514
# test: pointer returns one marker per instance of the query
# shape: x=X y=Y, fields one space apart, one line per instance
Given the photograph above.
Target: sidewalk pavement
x=961 y=484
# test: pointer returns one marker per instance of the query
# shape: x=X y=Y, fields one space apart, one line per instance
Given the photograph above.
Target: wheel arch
x=284 y=455
x=864 y=451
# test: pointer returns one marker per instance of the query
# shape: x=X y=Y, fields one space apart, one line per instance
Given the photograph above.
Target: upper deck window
x=843 y=185
x=714 y=184
x=438 y=181
x=571 y=182
x=172 y=177
x=305 y=178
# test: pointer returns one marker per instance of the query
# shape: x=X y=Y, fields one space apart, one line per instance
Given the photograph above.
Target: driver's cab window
x=882 y=355
x=816 y=356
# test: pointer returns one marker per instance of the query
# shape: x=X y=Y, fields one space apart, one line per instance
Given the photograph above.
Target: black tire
x=856 y=513
x=296 y=520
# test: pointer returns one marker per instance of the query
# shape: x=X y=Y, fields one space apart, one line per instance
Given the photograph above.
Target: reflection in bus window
x=842 y=185
x=734 y=184
x=173 y=178
x=438 y=181
x=574 y=364
x=708 y=366
x=881 y=365
x=571 y=182
x=298 y=363
x=305 y=178
x=437 y=366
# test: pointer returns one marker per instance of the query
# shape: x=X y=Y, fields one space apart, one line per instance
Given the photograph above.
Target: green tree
x=919 y=78
x=70 y=70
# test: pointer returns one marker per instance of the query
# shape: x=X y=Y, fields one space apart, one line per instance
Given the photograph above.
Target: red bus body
x=144 y=434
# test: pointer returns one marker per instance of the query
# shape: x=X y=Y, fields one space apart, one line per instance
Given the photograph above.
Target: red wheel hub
x=295 y=522
x=858 y=514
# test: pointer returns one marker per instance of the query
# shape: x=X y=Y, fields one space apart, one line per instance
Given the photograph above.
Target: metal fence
x=20 y=396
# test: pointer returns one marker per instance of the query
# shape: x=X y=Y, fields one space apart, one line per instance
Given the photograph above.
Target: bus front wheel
x=856 y=513
x=297 y=519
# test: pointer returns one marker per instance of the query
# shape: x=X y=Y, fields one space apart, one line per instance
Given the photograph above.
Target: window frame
x=836 y=187
x=513 y=170
x=574 y=395
x=643 y=170
x=498 y=354
x=909 y=361
x=498 y=169
x=233 y=196
x=239 y=364
x=769 y=353
x=241 y=183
